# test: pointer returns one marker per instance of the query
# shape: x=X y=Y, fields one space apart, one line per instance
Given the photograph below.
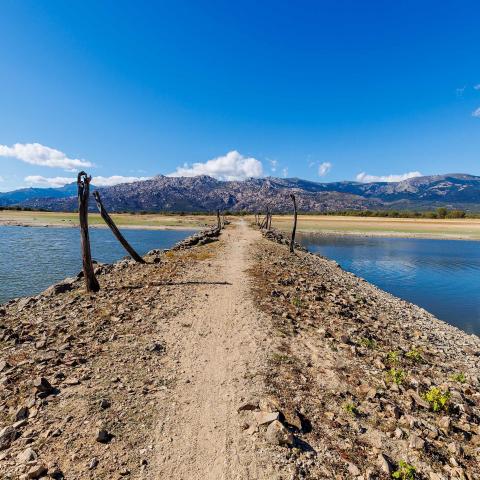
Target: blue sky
x=323 y=90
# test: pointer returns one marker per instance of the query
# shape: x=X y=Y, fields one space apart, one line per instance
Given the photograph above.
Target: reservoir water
x=442 y=276
x=32 y=258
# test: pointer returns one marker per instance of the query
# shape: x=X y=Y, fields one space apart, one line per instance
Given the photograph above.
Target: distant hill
x=204 y=193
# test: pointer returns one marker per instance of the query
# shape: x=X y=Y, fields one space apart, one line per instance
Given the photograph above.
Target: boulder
x=7 y=436
x=278 y=434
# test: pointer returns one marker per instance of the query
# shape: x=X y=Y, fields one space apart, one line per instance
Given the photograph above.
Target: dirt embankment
x=234 y=360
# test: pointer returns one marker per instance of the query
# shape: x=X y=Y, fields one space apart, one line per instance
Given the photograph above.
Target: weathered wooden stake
x=269 y=226
x=108 y=220
x=83 y=184
x=292 y=240
x=219 y=222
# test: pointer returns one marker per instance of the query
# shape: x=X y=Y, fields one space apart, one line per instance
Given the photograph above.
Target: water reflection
x=442 y=276
x=31 y=259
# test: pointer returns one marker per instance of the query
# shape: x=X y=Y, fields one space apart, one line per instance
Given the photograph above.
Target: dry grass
x=401 y=227
x=125 y=220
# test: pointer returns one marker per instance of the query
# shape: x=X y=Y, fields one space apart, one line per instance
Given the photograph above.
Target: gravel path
x=219 y=347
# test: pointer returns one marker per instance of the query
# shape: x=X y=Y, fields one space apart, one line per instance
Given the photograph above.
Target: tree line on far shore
x=438 y=213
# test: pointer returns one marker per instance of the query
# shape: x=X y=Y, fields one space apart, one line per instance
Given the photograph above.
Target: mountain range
x=206 y=194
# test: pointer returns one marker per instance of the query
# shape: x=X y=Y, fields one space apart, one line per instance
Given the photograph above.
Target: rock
x=27 y=455
x=56 y=473
x=385 y=464
x=418 y=399
x=104 y=437
x=3 y=365
x=93 y=463
x=37 y=471
x=264 y=418
x=277 y=434
x=7 y=436
x=104 y=403
x=269 y=405
x=61 y=287
x=72 y=381
x=416 y=442
x=22 y=413
x=293 y=419
x=444 y=424
x=43 y=385
x=353 y=470
x=248 y=405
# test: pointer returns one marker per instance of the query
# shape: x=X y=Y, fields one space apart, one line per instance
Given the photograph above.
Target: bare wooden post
x=269 y=226
x=83 y=184
x=108 y=220
x=292 y=240
x=219 y=222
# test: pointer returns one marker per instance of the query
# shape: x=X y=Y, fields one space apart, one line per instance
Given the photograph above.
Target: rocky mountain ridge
x=204 y=193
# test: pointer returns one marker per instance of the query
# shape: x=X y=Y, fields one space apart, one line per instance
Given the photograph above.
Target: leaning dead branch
x=111 y=224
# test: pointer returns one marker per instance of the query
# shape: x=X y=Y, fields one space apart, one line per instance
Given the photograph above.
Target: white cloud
x=285 y=172
x=476 y=113
x=37 y=154
x=2 y=179
x=273 y=165
x=365 y=178
x=48 y=181
x=98 y=181
x=232 y=166
x=324 y=168
x=115 y=180
x=460 y=91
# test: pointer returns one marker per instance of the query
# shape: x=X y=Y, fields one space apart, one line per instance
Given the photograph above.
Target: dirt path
x=219 y=349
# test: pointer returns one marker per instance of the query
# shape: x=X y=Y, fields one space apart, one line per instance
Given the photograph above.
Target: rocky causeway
x=227 y=357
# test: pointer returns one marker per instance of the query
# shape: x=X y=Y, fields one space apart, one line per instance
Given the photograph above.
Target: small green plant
x=368 y=343
x=405 y=471
x=415 y=355
x=351 y=409
x=396 y=376
x=459 y=377
x=296 y=302
x=392 y=357
x=437 y=399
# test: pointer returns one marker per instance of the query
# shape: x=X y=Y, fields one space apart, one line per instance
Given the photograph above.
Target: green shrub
x=351 y=409
x=396 y=376
x=405 y=471
x=459 y=377
x=414 y=355
x=368 y=343
x=296 y=302
x=392 y=357
x=437 y=399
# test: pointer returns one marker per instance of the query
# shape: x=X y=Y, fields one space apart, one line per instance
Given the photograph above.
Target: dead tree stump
x=111 y=224
x=219 y=221
x=292 y=240
x=83 y=185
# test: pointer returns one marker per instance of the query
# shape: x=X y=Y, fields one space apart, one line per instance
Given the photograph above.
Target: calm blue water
x=442 y=276
x=32 y=259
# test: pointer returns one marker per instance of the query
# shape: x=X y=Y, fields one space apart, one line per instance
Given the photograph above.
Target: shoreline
x=419 y=236
x=325 y=232
x=99 y=226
